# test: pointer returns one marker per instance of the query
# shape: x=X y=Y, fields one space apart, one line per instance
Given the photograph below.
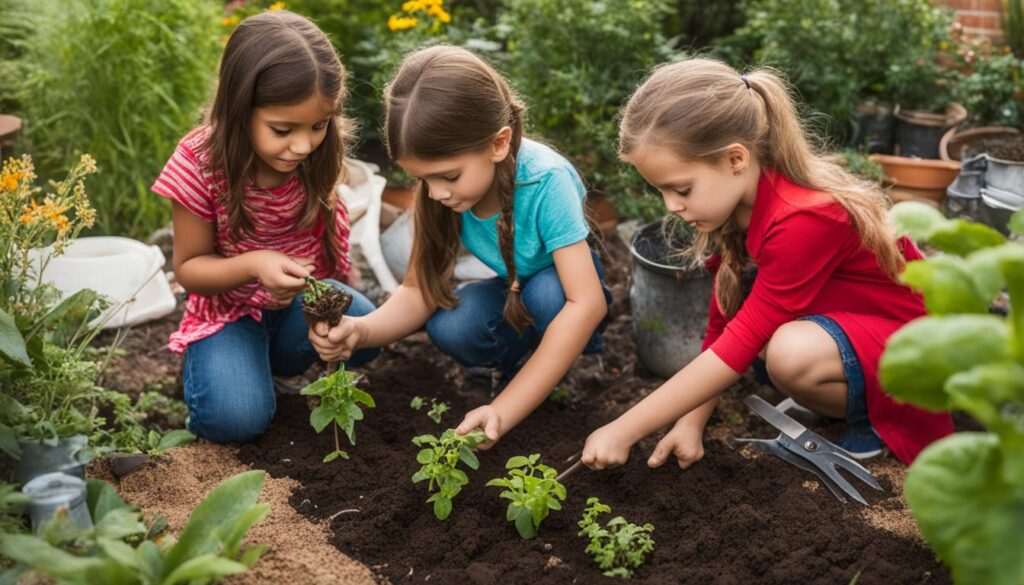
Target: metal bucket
x=39 y=458
x=51 y=493
x=669 y=302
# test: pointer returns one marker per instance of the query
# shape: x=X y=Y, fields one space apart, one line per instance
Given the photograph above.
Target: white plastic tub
x=127 y=271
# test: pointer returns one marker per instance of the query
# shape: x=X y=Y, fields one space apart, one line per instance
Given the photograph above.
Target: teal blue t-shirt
x=548 y=209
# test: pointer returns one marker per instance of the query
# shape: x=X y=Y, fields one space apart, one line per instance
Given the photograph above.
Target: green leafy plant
x=990 y=83
x=339 y=404
x=533 y=490
x=439 y=459
x=12 y=507
x=416 y=403
x=117 y=550
x=966 y=491
x=618 y=547
x=437 y=410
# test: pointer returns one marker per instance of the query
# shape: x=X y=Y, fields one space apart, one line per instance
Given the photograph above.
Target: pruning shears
x=809 y=451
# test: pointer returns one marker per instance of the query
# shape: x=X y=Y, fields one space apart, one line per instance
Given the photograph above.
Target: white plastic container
x=130 y=273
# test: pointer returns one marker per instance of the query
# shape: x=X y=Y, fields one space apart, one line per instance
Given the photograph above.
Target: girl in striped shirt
x=255 y=211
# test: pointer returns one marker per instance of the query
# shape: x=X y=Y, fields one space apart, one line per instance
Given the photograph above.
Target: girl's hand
x=685 y=441
x=606 y=447
x=486 y=418
x=337 y=343
x=282 y=276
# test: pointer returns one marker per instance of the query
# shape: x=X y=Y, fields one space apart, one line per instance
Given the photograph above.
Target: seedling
x=440 y=460
x=437 y=409
x=416 y=403
x=323 y=302
x=618 y=547
x=533 y=496
x=339 y=403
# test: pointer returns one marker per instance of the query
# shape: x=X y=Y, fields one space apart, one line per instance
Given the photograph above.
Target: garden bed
x=733 y=518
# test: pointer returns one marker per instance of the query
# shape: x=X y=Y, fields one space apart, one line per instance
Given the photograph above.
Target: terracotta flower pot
x=953 y=142
x=398 y=196
x=917 y=179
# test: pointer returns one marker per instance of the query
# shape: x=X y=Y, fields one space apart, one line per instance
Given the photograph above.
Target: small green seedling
x=440 y=461
x=559 y=396
x=618 y=547
x=339 y=403
x=416 y=403
x=533 y=496
x=437 y=409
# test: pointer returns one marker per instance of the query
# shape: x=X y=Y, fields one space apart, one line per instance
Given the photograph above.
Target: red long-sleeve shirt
x=811 y=261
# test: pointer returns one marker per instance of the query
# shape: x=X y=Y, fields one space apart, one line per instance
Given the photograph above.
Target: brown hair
x=279 y=58
x=445 y=101
x=698 y=107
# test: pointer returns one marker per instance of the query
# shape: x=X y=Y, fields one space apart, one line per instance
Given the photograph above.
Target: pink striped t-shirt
x=187 y=179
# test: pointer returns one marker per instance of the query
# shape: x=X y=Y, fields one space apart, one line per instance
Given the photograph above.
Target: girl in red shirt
x=729 y=156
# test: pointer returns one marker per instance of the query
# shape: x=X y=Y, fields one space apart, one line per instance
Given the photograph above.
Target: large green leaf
x=175 y=438
x=994 y=394
x=203 y=568
x=320 y=418
x=120 y=523
x=947 y=285
x=1017 y=222
x=102 y=499
x=915 y=219
x=221 y=507
x=986 y=267
x=962 y=237
x=41 y=556
x=972 y=519
x=12 y=344
x=922 y=355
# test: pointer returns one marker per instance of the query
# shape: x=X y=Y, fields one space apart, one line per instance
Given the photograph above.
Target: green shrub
x=990 y=84
x=837 y=52
x=121 y=79
x=575 y=62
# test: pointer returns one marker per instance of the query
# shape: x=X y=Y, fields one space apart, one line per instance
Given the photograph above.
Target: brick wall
x=978 y=17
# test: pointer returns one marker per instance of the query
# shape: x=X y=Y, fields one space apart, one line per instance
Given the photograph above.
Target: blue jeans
x=856 y=394
x=475 y=333
x=229 y=387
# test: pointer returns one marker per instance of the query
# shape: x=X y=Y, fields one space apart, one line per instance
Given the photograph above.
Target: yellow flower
x=397 y=23
x=9 y=181
x=276 y=6
x=413 y=6
x=230 y=20
x=440 y=13
x=88 y=164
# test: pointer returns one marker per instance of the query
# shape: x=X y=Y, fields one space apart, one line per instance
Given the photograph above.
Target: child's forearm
x=698 y=417
x=211 y=274
x=403 y=314
x=691 y=389
x=562 y=344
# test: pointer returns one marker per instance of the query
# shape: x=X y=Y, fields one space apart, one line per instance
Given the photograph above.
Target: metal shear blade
x=809 y=451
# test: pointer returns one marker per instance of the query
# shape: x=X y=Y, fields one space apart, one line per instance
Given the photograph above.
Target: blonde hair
x=445 y=101
x=698 y=107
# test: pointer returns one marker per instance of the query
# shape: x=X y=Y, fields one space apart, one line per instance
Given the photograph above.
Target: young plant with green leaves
x=118 y=548
x=533 y=490
x=416 y=403
x=440 y=458
x=339 y=404
x=323 y=302
x=618 y=547
x=966 y=491
x=437 y=410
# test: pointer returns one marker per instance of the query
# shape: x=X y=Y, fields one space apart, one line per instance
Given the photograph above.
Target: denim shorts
x=856 y=396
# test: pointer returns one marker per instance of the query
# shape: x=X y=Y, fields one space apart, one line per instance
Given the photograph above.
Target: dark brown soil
x=732 y=518
x=330 y=308
x=1008 y=149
